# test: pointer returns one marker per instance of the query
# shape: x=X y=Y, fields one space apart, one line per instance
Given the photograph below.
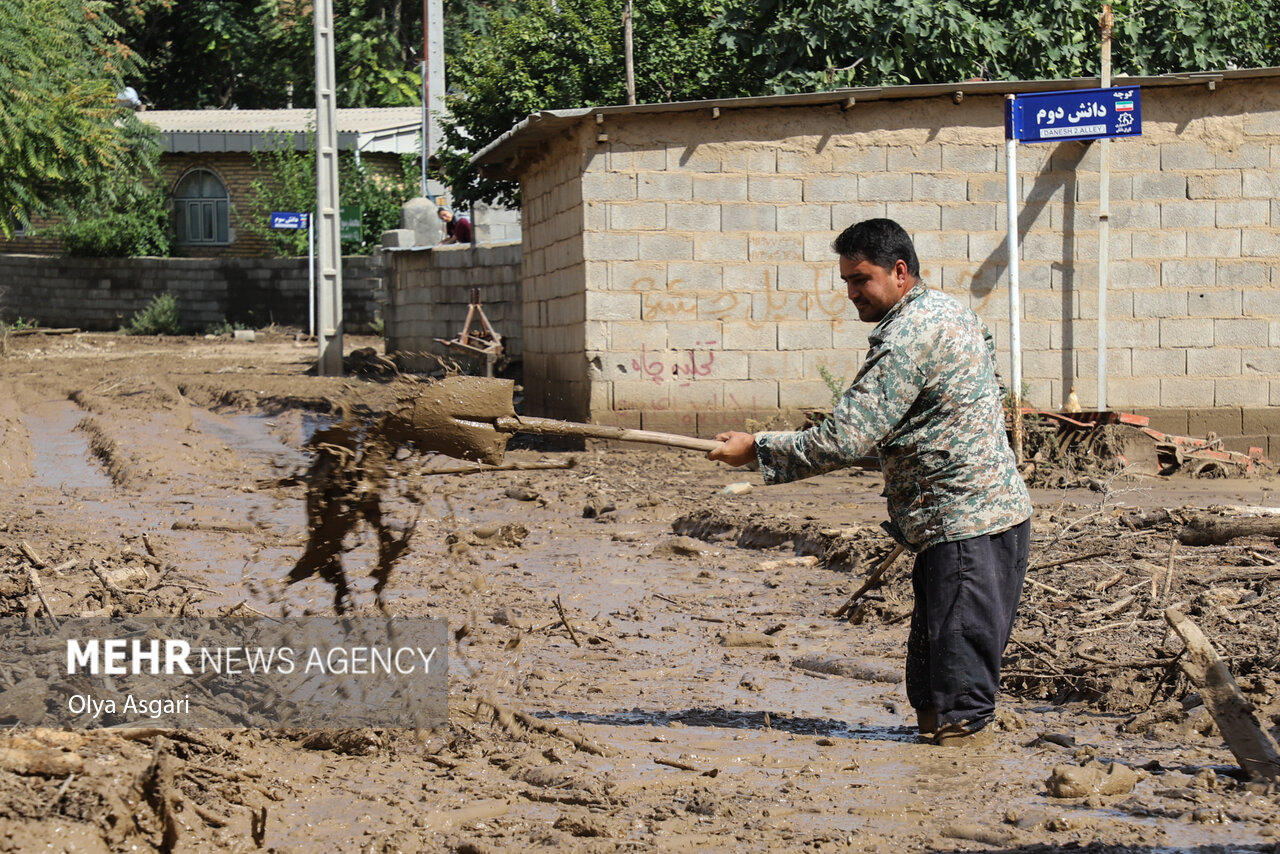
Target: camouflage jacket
x=928 y=400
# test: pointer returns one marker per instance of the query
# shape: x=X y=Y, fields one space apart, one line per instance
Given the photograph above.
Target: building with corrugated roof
x=207 y=168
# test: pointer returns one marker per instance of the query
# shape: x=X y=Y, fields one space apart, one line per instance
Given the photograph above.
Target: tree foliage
x=558 y=54
x=65 y=143
x=802 y=45
x=246 y=53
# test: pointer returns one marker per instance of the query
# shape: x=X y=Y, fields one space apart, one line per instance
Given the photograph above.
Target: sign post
x=1078 y=114
x=294 y=221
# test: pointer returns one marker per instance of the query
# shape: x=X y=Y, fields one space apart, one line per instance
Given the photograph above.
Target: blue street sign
x=1076 y=114
x=285 y=220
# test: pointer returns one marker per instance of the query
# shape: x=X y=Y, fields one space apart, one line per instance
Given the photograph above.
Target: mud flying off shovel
x=472 y=418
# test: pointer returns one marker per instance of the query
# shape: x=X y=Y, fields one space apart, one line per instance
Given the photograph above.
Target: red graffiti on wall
x=674 y=365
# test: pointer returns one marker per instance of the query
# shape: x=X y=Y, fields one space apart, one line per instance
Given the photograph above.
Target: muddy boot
x=927 y=723
x=961 y=736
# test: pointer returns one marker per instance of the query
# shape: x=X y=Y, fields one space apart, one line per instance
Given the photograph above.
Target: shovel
x=472 y=418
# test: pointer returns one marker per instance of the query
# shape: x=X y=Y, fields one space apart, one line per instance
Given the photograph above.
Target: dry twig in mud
x=1066 y=560
x=1046 y=588
x=565 y=620
x=685 y=766
x=872 y=580
x=514 y=721
x=38 y=588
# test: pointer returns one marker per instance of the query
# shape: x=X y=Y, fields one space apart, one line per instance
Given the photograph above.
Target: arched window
x=201 y=209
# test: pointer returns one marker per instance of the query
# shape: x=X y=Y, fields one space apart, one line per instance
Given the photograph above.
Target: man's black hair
x=881 y=241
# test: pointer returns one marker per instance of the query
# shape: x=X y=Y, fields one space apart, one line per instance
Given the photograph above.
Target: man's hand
x=738 y=449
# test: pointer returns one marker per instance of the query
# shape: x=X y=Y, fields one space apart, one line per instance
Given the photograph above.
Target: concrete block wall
x=558 y=227
x=429 y=290
x=711 y=293
x=105 y=293
x=493 y=224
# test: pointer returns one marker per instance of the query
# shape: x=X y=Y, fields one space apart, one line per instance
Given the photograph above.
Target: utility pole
x=329 y=225
x=1105 y=22
x=433 y=90
x=627 y=50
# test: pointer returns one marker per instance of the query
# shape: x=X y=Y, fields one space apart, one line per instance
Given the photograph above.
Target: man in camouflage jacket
x=928 y=399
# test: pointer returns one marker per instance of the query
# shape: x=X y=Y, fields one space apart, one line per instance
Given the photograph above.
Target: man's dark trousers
x=966 y=593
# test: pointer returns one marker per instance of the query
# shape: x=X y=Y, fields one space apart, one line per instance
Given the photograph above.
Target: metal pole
x=627 y=51
x=1015 y=295
x=1106 y=21
x=426 y=93
x=329 y=229
x=426 y=126
x=311 y=273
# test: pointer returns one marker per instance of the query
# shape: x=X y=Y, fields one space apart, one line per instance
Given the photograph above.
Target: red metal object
x=1198 y=456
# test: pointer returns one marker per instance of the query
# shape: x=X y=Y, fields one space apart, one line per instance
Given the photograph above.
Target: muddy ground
x=696 y=695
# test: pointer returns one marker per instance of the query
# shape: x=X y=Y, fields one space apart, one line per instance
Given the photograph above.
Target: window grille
x=202 y=210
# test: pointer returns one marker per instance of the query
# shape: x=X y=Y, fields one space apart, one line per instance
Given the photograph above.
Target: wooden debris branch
x=507 y=466
x=31 y=555
x=685 y=766
x=1202 y=530
x=1067 y=560
x=565 y=620
x=1252 y=747
x=38 y=588
x=1141 y=519
x=872 y=580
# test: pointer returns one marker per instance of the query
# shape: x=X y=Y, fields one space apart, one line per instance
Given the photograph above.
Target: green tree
x=247 y=53
x=65 y=143
x=286 y=181
x=804 y=45
x=217 y=53
x=559 y=54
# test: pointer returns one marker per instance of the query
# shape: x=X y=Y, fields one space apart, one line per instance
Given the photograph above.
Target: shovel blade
x=455 y=417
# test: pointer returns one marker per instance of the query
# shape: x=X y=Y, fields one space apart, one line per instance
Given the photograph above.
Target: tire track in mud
x=115 y=462
x=15 y=445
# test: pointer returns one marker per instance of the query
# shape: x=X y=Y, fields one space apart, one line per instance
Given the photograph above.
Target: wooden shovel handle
x=522 y=424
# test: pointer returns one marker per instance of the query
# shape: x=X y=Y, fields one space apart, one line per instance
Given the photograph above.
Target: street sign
x=1076 y=114
x=349 y=217
x=288 y=220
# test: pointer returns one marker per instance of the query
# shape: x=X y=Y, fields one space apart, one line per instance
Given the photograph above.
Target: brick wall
x=237 y=172
x=710 y=294
x=428 y=292
x=104 y=293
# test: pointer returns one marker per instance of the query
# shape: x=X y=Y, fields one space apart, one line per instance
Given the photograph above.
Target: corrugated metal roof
x=502 y=157
x=384 y=129
x=369 y=120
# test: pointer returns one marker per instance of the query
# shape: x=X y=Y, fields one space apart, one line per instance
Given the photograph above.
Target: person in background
x=457 y=229
x=928 y=399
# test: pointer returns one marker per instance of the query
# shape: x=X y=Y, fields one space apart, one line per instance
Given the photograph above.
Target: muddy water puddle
x=60 y=454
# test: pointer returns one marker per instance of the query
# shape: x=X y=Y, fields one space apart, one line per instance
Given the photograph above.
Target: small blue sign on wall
x=287 y=220
x=1075 y=114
